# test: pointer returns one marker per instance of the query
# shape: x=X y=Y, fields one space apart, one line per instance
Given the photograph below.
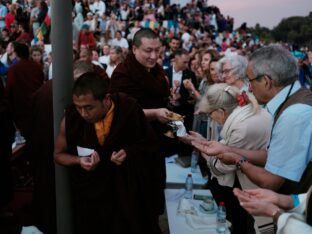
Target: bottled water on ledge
x=188 y=187
x=194 y=161
x=221 y=219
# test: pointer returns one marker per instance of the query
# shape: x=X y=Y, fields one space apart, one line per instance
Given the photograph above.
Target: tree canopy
x=295 y=29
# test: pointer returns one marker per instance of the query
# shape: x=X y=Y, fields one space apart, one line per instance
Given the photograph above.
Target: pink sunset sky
x=267 y=13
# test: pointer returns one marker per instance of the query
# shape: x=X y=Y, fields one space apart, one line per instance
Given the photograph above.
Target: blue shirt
x=3 y=13
x=291 y=142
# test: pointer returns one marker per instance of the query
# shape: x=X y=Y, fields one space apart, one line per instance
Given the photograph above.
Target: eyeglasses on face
x=257 y=78
x=227 y=71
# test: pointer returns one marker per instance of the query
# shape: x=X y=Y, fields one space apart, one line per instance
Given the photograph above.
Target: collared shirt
x=291 y=142
x=176 y=76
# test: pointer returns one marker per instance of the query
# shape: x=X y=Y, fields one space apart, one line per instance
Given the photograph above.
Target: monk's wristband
x=295 y=199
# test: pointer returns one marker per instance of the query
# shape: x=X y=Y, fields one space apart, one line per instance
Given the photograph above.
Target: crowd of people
x=246 y=108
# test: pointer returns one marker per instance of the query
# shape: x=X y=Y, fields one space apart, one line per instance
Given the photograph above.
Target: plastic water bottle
x=188 y=187
x=221 y=218
x=194 y=161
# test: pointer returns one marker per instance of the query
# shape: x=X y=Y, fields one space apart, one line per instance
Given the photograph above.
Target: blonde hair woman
x=244 y=125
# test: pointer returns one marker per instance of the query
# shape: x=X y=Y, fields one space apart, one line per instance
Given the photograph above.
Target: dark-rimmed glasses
x=257 y=77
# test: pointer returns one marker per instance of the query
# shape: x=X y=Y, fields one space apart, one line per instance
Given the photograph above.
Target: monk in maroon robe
x=41 y=147
x=113 y=185
x=141 y=77
x=6 y=139
x=24 y=78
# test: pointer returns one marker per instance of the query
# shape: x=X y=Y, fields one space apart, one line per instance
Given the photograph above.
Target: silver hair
x=81 y=67
x=277 y=63
x=223 y=96
x=239 y=64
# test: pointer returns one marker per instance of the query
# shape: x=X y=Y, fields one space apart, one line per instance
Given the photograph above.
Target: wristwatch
x=242 y=160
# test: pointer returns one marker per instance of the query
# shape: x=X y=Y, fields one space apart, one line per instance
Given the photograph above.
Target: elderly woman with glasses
x=232 y=71
x=244 y=125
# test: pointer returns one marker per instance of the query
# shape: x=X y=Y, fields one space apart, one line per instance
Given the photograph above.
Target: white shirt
x=97 y=63
x=176 y=76
x=186 y=37
x=124 y=14
x=110 y=69
x=98 y=7
x=104 y=59
x=123 y=43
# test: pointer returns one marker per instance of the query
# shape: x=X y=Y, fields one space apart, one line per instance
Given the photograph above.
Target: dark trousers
x=241 y=221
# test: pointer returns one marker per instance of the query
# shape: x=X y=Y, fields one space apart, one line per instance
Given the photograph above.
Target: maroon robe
x=100 y=72
x=6 y=139
x=151 y=89
x=24 y=78
x=41 y=147
x=114 y=199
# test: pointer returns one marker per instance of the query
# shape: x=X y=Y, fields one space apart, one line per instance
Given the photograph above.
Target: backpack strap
x=303 y=96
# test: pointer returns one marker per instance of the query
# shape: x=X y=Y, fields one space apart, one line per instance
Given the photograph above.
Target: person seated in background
x=86 y=38
x=291 y=213
x=115 y=57
x=81 y=67
x=245 y=125
x=174 y=44
x=86 y=55
x=120 y=41
x=36 y=55
x=104 y=59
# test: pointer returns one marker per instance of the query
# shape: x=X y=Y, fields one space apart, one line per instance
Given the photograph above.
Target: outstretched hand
x=192 y=136
x=163 y=115
x=210 y=147
x=261 y=202
x=259 y=194
x=260 y=208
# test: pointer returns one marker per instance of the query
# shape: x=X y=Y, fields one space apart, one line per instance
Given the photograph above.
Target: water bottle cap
x=190 y=174
x=221 y=203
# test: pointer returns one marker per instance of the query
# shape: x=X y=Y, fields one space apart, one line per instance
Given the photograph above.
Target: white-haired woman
x=232 y=71
x=245 y=125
